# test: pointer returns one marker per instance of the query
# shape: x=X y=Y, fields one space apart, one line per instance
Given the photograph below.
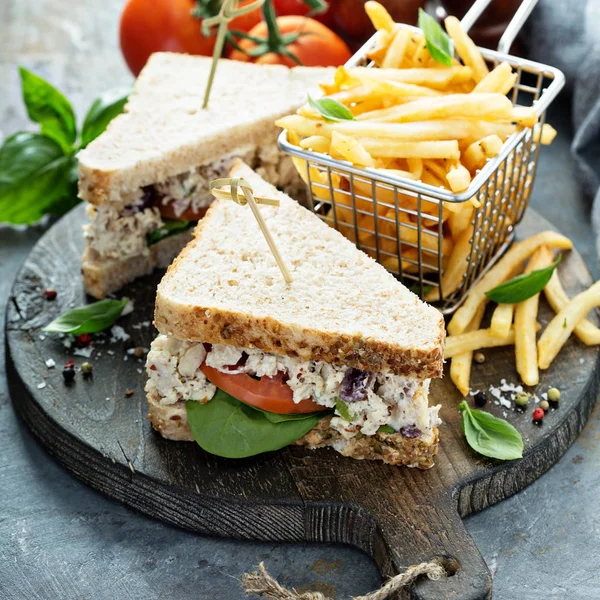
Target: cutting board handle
x=422 y=530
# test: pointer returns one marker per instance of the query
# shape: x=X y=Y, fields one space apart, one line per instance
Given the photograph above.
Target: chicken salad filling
x=359 y=401
x=124 y=230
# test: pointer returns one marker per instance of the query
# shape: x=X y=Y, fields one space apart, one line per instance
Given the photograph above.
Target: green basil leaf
x=523 y=286
x=48 y=107
x=168 y=228
x=331 y=109
x=229 y=428
x=343 y=410
x=90 y=318
x=439 y=43
x=34 y=177
x=102 y=111
x=489 y=435
x=386 y=429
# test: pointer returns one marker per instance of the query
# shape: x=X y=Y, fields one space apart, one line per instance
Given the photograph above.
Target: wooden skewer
x=233 y=194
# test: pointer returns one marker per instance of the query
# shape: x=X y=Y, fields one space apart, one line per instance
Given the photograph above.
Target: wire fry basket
x=400 y=222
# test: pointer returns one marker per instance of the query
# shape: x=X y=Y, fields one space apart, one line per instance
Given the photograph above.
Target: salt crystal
x=111 y=352
x=68 y=342
x=140 y=371
x=50 y=363
x=118 y=334
x=42 y=337
x=85 y=352
x=505 y=402
x=141 y=324
x=504 y=414
x=41 y=386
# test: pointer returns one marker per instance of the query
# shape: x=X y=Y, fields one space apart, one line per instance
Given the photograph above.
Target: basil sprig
x=523 y=286
x=38 y=170
x=330 y=109
x=229 y=428
x=168 y=228
x=439 y=43
x=88 y=319
x=489 y=435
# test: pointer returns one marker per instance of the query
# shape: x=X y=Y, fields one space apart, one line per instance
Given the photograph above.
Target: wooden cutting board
x=399 y=516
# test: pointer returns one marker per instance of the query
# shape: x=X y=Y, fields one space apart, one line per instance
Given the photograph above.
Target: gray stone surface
x=58 y=539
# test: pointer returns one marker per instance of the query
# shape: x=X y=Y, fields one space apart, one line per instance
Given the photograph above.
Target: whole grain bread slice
x=164 y=130
x=341 y=307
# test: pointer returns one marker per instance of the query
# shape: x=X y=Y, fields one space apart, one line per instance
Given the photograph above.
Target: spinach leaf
x=275 y=418
x=102 y=111
x=523 y=286
x=33 y=177
x=227 y=427
x=168 y=228
x=330 y=109
x=88 y=319
x=439 y=43
x=489 y=435
x=48 y=107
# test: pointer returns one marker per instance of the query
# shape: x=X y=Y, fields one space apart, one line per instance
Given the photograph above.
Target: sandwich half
x=145 y=178
x=245 y=363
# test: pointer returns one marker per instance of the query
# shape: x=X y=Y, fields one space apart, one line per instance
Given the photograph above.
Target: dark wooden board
x=399 y=516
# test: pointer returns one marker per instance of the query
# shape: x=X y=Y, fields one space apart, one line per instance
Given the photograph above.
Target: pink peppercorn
x=538 y=414
x=83 y=339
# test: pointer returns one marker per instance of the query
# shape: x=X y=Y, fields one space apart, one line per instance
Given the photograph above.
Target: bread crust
x=105 y=276
x=392 y=448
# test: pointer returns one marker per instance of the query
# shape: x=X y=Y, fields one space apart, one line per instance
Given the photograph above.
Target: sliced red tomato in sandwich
x=167 y=211
x=268 y=393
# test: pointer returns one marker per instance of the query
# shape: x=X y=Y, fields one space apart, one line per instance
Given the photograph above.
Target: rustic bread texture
x=165 y=131
x=104 y=276
x=171 y=422
x=342 y=307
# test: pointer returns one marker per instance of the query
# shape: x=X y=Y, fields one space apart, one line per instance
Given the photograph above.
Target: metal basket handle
x=513 y=28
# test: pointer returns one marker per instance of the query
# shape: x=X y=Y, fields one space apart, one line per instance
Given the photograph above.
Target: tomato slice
x=189 y=214
x=268 y=393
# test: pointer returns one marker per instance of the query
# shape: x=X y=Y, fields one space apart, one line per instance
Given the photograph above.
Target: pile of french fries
x=416 y=119
x=516 y=324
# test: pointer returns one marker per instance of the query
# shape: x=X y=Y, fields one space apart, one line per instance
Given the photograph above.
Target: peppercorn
x=49 y=294
x=479 y=357
x=537 y=415
x=544 y=405
x=87 y=369
x=68 y=374
x=480 y=399
x=83 y=340
x=522 y=399
x=138 y=351
x=554 y=395
x=70 y=364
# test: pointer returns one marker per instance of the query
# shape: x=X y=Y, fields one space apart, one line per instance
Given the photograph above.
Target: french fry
x=469 y=341
x=561 y=327
x=544 y=134
x=437 y=149
x=436 y=78
x=460 y=367
x=379 y=16
x=466 y=49
x=585 y=330
x=316 y=143
x=476 y=154
x=396 y=50
x=501 y=80
x=458 y=178
x=500 y=272
x=491 y=145
x=502 y=320
x=459 y=221
x=474 y=106
x=524 y=115
x=415 y=166
x=349 y=148
x=457 y=266
x=525 y=320
x=303 y=126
